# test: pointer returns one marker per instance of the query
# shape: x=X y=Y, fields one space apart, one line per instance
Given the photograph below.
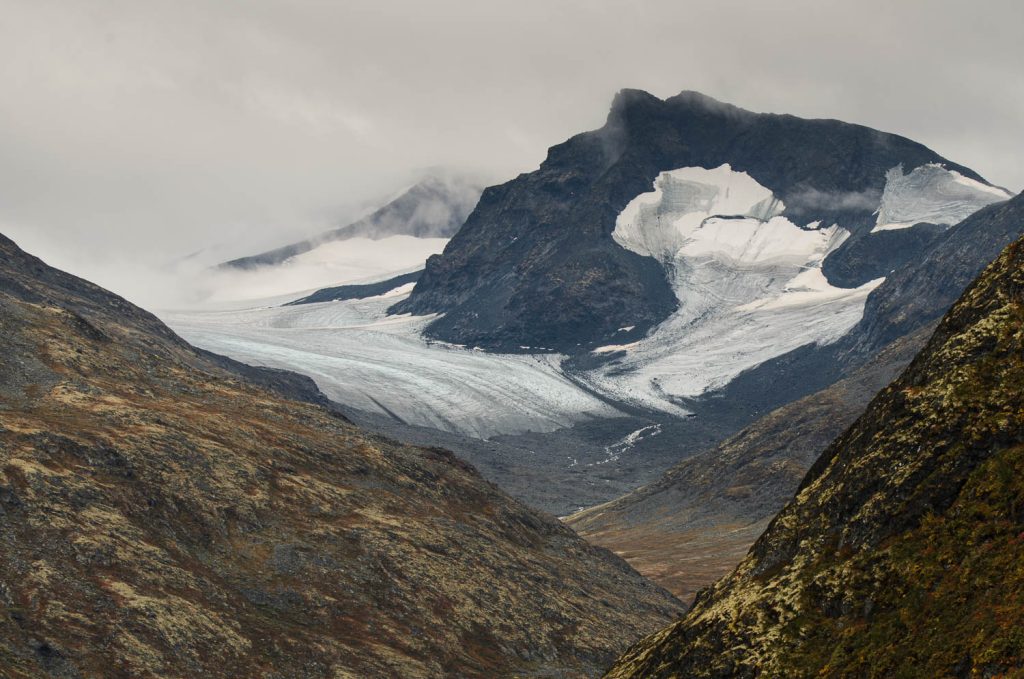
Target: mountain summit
x=434 y=207
x=537 y=263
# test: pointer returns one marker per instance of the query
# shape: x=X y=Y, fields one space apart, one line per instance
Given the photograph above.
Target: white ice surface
x=360 y=357
x=749 y=284
x=931 y=193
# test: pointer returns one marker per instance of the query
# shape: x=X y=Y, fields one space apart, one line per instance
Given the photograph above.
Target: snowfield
x=931 y=193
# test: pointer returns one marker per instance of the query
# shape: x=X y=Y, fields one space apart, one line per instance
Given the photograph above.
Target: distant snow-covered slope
x=396 y=239
x=433 y=208
x=355 y=260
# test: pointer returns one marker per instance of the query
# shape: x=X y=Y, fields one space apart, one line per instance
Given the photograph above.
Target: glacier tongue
x=364 y=358
x=748 y=280
x=931 y=193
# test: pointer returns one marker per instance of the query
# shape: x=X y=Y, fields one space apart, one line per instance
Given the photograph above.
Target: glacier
x=363 y=358
x=748 y=280
x=931 y=193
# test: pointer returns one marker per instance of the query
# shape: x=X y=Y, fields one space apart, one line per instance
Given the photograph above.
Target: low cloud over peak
x=146 y=131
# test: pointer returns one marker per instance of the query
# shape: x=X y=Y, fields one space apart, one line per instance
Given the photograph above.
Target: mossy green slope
x=902 y=554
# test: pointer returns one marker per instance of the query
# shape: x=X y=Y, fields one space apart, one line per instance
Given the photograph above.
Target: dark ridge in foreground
x=161 y=515
x=902 y=553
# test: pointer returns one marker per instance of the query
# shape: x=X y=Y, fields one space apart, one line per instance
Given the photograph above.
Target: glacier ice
x=748 y=280
x=363 y=358
x=931 y=193
x=360 y=356
x=658 y=223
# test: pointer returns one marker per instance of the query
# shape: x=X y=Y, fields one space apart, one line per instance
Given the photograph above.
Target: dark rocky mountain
x=901 y=553
x=696 y=522
x=167 y=512
x=536 y=265
x=433 y=208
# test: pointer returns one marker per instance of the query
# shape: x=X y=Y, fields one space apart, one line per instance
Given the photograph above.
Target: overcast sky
x=134 y=131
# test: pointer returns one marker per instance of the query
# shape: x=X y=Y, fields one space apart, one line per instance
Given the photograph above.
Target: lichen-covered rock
x=162 y=515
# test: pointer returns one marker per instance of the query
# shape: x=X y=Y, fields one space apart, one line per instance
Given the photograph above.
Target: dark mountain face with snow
x=433 y=208
x=697 y=521
x=582 y=252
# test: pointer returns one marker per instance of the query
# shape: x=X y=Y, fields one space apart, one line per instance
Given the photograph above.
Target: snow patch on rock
x=933 y=194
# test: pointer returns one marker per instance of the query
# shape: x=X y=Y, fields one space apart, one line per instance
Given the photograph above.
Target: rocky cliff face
x=901 y=553
x=536 y=265
x=163 y=515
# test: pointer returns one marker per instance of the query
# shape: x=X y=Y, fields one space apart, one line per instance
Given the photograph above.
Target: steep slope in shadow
x=163 y=516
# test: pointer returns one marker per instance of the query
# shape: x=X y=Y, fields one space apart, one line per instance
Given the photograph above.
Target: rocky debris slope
x=902 y=552
x=161 y=515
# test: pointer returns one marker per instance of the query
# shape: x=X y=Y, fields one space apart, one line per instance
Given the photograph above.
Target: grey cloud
x=143 y=130
x=813 y=199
